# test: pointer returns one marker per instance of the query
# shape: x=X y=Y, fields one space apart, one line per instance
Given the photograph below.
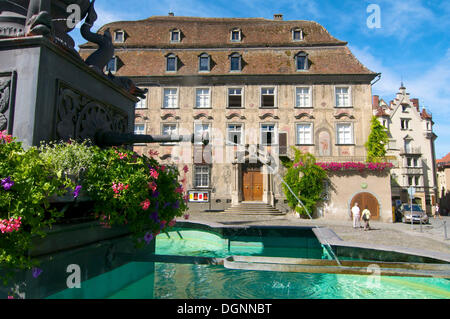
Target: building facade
x=411 y=147
x=257 y=86
x=443 y=180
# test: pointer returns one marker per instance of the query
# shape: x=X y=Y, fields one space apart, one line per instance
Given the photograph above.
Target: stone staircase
x=250 y=208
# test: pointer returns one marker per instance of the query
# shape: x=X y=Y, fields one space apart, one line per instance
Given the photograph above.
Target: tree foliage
x=376 y=144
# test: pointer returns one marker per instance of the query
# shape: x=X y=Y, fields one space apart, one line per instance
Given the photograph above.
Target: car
x=418 y=215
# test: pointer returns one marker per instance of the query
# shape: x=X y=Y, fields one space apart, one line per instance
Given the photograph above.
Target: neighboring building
x=443 y=176
x=411 y=147
x=253 y=84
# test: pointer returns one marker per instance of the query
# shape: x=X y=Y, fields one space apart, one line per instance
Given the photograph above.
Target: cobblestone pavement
x=431 y=238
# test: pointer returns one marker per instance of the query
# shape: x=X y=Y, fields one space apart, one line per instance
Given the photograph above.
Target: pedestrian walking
x=356 y=216
x=366 y=217
x=436 y=211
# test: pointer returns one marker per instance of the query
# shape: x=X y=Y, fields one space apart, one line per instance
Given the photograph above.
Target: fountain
x=49 y=93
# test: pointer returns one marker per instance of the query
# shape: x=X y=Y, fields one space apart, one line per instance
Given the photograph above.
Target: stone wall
x=344 y=186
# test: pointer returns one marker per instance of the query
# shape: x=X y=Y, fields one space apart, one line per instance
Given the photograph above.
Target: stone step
x=253 y=208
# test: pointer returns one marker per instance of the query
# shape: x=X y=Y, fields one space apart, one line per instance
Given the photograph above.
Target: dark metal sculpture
x=100 y=58
x=105 y=52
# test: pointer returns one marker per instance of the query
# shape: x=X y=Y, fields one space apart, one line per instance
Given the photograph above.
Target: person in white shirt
x=356 y=216
x=436 y=212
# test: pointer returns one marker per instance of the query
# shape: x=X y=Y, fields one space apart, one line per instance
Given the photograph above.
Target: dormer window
x=297 y=34
x=235 y=62
x=301 y=61
x=175 y=36
x=119 y=36
x=235 y=35
x=204 y=62
x=171 y=63
x=112 y=65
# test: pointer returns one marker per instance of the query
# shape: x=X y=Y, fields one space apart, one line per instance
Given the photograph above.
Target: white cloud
x=405 y=19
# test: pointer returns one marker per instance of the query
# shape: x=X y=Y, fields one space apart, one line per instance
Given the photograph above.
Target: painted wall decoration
x=324 y=144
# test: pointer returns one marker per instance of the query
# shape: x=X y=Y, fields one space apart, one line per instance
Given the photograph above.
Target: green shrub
x=125 y=188
x=306 y=180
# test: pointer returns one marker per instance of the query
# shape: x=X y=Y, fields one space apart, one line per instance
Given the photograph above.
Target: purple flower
x=176 y=205
x=154 y=217
x=76 y=191
x=7 y=183
x=148 y=238
x=36 y=272
x=155 y=194
x=166 y=205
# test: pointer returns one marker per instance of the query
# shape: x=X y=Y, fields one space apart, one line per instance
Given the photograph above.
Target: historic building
x=411 y=146
x=257 y=86
x=443 y=180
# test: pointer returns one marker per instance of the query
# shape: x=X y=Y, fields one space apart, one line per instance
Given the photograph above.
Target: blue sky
x=412 y=43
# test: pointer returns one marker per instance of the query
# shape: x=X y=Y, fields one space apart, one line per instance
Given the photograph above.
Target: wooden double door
x=252 y=184
x=367 y=200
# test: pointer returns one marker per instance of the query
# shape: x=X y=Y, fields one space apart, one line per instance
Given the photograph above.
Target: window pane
x=268 y=134
x=202 y=98
x=142 y=103
x=345 y=134
x=204 y=63
x=301 y=63
x=304 y=134
x=303 y=97
x=119 y=36
x=111 y=66
x=171 y=64
x=268 y=97
x=175 y=36
x=235 y=63
x=139 y=129
x=342 y=97
x=234 y=134
x=170 y=98
x=235 y=35
x=297 y=35
x=169 y=129
x=201 y=176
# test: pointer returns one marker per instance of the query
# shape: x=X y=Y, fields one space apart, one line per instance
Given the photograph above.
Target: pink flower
x=4 y=136
x=186 y=168
x=179 y=190
x=154 y=174
x=186 y=198
x=172 y=223
x=152 y=186
x=186 y=216
x=145 y=204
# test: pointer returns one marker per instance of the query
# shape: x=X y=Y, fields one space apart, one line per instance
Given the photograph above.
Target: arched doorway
x=367 y=199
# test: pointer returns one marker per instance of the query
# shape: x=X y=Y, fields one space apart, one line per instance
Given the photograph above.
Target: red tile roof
x=266 y=48
x=425 y=115
x=445 y=160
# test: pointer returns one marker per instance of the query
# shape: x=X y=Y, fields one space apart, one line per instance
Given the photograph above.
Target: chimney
x=278 y=17
x=375 y=101
x=415 y=102
x=171 y=14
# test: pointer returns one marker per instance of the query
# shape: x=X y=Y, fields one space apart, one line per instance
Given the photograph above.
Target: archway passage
x=367 y=199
